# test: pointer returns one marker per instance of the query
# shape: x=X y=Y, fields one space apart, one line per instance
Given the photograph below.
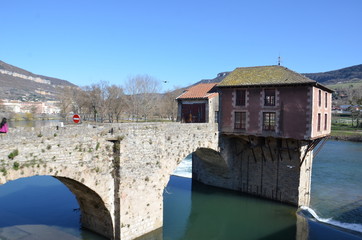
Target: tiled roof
x=263 y=75
x=199 y=91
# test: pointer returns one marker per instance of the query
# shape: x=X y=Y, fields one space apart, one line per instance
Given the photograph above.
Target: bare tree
x=142 y=91
x=355 y=99
x=102 y=101
x=115 y=102
x=93 y=98
x=169 y=103
x=66 y=99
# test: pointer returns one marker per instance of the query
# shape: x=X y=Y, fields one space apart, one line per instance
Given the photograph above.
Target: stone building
x=273 y=101
x=270 y=120
x=198 y=104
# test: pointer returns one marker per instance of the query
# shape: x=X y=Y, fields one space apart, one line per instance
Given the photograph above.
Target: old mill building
x=273 y=101
x=270 y=120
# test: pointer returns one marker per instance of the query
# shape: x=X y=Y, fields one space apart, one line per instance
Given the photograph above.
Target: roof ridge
x=264 y=75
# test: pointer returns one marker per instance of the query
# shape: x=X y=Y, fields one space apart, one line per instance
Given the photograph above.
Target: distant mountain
x=217 y=79
x=344 y=75
x=19 y=84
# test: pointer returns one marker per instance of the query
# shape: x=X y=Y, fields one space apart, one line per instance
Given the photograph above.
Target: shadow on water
x=351 y=213
x=216 y=213
x=36 y=204
x=223 y=214
x=324 y=231
x=314 y=229
x=40 y=207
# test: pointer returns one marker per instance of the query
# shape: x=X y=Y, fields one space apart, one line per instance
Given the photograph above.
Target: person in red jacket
x=4 y=128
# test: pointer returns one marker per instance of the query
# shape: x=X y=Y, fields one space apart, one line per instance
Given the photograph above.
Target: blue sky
x=180 y=42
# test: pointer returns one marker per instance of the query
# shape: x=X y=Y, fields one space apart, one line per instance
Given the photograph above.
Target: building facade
x=273 y=101
x=271 y=119
x=198 y=104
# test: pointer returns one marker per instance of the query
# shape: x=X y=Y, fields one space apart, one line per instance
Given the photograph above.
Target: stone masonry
x=277 y=169
x=116 y=171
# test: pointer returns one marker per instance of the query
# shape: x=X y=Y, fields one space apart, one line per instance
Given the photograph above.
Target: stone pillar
x=265 y=167
x=94 y=214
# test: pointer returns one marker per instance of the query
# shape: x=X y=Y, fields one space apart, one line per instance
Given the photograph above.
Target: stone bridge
x=117 y=172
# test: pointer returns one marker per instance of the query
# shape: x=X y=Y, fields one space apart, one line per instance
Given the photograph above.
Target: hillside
x=342 y=76
x=345 y=75
x=217 y=79
x=20 y=84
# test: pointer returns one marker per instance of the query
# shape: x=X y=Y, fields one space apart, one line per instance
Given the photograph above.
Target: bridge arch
x=94 y=213
x=126 y=165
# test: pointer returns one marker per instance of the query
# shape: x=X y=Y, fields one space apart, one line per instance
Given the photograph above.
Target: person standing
x=4 y=128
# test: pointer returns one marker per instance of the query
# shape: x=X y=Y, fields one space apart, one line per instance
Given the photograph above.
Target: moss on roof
x=263 y=75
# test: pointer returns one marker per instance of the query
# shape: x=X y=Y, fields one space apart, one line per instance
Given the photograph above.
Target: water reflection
x=222 y=214
x=40 y=207
x=214 y=213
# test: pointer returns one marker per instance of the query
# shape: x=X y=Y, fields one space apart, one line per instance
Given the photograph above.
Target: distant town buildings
x=16 y=106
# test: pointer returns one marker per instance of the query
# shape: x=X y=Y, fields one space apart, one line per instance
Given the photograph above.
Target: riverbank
x=345 y=135
x=346 y=128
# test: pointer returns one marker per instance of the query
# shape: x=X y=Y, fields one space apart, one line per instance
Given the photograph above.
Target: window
x=269 y=99
x=240 y=119
x=326 y=100
x=269 y=121
x=216 y=116
x=325 y=121
x=319 y=98
x=240 y=98
x=319 y=122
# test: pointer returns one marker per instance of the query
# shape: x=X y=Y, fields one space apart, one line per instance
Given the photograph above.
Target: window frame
x=240 y=98
x=241 y=124
x=319 y=123
x=269 y=121
x=269 y=97
x=216 y=117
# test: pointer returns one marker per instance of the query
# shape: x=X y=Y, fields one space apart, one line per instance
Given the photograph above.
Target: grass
x=346 y=133
x=342 y=129
x=346 y=85
x=13 y=154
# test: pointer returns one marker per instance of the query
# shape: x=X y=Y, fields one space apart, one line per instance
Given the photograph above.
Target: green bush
x=16 y=166
x=3 y=170
x=13 y=154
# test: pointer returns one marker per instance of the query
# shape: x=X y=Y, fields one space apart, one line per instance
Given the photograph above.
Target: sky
x=174 y=41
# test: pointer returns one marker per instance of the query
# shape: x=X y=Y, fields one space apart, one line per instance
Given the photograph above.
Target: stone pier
x=277 y=169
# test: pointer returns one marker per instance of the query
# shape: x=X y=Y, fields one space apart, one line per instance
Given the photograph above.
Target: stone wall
x=265 y=167
x=79 y=156
x=149 y=153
